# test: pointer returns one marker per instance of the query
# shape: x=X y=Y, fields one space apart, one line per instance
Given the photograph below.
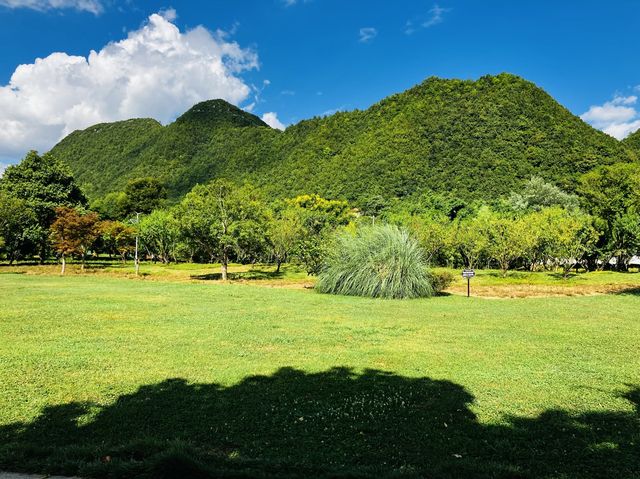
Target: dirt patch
x=541 y=290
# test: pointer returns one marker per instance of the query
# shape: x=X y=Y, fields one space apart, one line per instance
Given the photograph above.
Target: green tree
x=573 y=236
x=44 y=183
x=538 y=194
x=508 y=238
x=112 y=206
x=118 y=238
x=143 y=195
x=160 y=234
x=73 y=233
x=612 y=195
x=470 y=239
x=319 y=218
x=435 y=234
x=18 y=227
x=225 y=219
x=285 y=232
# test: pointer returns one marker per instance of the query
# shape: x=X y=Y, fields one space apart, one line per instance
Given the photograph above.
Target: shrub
x=378 y=262
x=441 y=280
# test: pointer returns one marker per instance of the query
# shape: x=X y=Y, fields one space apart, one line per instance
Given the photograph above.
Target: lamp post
x=136 y=260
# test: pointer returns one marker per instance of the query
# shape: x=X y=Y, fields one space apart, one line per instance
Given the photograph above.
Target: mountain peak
x=219 y=112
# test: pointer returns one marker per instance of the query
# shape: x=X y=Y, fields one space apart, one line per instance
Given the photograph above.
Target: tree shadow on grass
x=252 y=274
x=632 y=291
x=329 y=424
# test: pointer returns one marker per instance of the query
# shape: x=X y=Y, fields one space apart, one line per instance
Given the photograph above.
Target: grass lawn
x=110 y=377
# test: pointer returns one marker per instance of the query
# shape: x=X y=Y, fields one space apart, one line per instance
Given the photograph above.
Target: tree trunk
x=43 y=253
x=504 y=266
x=279 y=262
x=64 y=265
x=82 y=262
x=224 y=266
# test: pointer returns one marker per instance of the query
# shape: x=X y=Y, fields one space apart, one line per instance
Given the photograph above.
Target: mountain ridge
x=472 y=138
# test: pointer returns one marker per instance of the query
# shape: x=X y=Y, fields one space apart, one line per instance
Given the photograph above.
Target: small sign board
x=468 y=273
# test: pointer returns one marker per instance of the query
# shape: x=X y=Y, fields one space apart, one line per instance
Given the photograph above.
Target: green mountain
x=474 y=139
x=632 y=142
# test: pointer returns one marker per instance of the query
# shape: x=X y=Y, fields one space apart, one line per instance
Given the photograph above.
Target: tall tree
x=143 y=195
x=18 y=226
x=73 y=233
x=508 y=238
x=284 y=231
x=160 y=234
x=225 y=219
x=319 y=218
x=44 y=183
x=612 y=194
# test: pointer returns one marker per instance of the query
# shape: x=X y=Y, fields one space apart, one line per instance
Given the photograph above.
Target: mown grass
x=487 y=283
x=109 y=377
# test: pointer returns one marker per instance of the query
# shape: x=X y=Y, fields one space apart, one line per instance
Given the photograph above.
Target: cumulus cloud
x=157 y=71
x=271 y=119
x=94 y=6
x=617 y=117
x=367 y=34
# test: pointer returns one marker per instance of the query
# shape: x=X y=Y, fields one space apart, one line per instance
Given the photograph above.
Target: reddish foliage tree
x=73 y=233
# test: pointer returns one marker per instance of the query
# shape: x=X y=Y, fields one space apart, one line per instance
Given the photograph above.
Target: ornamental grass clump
x=377 y=262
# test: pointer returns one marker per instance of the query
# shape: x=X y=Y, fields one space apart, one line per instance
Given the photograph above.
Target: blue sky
x=293 y=59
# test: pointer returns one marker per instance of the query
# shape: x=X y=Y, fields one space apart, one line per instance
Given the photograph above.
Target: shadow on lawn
x=632 y=290
x=252 y=274
x=329 y=424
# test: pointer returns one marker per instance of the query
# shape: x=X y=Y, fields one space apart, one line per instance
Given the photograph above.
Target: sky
x=68 y=64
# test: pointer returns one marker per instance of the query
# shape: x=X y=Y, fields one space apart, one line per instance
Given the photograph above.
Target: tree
x=160 y=234
x=18 y=226
x=507 y=238
x=470 y=240
x=143 y=195
x=612 y=195
x=624 y=241
x=44 y=183
x=118 y=238
x=537 y=194
x=112 y=206
x=433 y=232
x=573 y=236
x=284 y=232
x=225 y=219
x=319 y=218
x=73 y=233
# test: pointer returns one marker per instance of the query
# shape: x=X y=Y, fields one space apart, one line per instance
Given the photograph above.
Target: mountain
x=632 y=142
x=473 y=139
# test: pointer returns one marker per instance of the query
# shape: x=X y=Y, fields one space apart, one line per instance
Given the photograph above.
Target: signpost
x=468 y=273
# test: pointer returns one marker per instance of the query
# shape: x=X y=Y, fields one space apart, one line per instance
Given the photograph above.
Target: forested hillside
x=473 y=139
x=632 y=142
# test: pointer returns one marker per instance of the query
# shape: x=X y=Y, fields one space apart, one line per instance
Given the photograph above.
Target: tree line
x=44 y=214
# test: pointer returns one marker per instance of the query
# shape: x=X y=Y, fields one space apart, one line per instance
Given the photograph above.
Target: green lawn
x=113 y=377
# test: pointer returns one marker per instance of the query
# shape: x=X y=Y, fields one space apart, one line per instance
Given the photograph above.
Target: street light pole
x=137 y=261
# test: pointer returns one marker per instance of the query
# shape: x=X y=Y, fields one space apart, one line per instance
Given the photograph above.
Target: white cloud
x=617 y=117
x=3 y=166
x=333 y=111
x=157 y=71
x=94 y=6
x=435 y=16
x=291 y=3
x=622 y=130
x=367 y=34
x=271 y=119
